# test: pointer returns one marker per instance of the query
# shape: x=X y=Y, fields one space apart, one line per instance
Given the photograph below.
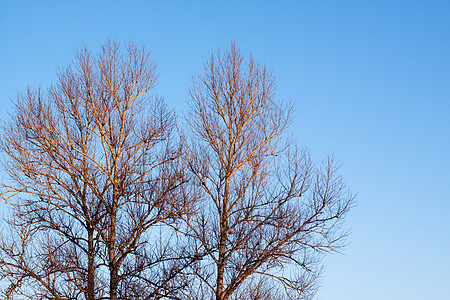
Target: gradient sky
x=370 y=81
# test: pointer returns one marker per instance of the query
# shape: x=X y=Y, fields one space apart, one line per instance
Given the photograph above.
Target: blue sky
x=370 y=81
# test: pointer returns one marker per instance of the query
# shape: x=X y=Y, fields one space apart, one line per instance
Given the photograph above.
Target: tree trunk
x=221 y=264
x=91 y=265
x=113 y=284
x=113 y=268
x=222 y=242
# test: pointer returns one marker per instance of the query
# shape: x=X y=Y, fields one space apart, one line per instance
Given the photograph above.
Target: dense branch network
x=265 y=211
x=93 y=166
x=107 y=202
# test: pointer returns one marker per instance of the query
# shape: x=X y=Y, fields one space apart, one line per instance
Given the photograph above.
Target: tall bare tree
x=265 y=213
x=92 y=167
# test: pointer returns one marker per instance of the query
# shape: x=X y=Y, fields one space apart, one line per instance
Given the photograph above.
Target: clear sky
x=370 y=81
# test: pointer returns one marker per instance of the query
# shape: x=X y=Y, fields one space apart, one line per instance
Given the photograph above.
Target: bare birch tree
x=92 y=169
x=265 y=213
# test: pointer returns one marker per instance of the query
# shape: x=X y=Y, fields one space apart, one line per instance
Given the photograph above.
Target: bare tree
x=265 y=213
x=92 y=168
